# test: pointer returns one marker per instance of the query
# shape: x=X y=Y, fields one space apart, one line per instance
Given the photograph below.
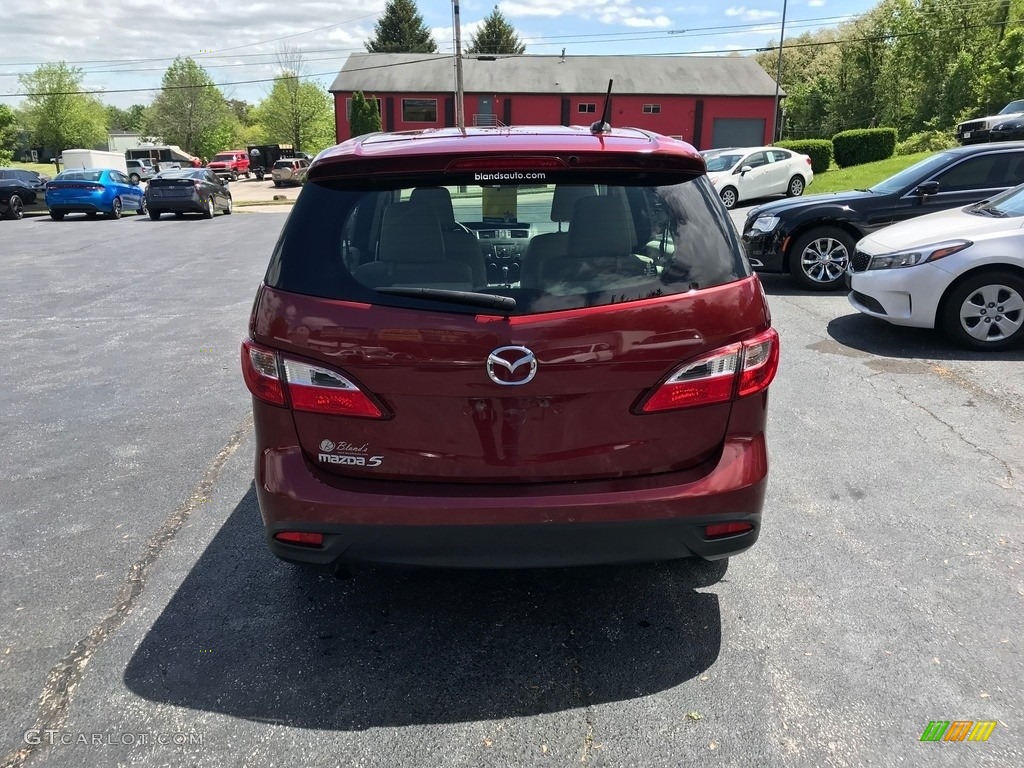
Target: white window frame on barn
x=422 y=103
x=652 y=109
x=587 y=107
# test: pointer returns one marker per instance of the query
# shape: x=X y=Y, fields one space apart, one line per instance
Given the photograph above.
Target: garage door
x=737 y=132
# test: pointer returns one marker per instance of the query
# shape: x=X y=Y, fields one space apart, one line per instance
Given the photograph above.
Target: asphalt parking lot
x=144 y=623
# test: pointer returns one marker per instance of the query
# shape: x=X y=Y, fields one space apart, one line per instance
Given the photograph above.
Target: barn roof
x=376 y=73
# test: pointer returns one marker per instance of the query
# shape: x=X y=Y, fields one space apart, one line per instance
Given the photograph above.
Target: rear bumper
x=511 y=525
x=191 y=204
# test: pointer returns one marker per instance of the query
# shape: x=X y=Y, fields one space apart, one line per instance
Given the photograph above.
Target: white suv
x=977 y=131
x=289 y=171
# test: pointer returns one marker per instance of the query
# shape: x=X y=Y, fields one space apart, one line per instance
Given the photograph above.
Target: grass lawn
x=46 y=168
x=862 y=176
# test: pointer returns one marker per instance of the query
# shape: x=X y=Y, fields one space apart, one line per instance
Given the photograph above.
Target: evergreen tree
x=364 y=117
x=496 y=35
x=401 y=30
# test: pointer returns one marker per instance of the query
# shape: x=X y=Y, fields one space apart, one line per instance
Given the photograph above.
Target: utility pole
x=460 y=108
x=778 y=77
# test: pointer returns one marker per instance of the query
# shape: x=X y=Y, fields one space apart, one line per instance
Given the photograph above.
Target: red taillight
x=808 y=160
x=300 y=537
x=726 y=529
x=259 y=368
x=705 y=381
x=760 y=363
x=737 y=370
x=319 y=390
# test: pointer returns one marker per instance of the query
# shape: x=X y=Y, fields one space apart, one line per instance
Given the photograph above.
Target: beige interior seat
x=460 y=245
x=411 y=252
x=553 y=244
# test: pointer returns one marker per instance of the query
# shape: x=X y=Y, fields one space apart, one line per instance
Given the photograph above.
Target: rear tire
x=134 y=178
x=730 y=197
x=985 y=312
x=115 y=208
x=154 y=215
x=179 y=215
x=15 y=208
x=57 y=215
x=819 y=258
x=796 y=187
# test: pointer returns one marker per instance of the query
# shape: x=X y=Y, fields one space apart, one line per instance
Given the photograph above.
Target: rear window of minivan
x=590 y=239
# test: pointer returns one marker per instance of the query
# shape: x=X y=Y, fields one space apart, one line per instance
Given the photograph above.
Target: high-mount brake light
x=506 y=164
x=731 y=372
x=319 y=390
x=259 y=369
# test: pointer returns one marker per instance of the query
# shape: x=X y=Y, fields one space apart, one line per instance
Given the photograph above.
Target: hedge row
x=819 y=150
x=863 y=145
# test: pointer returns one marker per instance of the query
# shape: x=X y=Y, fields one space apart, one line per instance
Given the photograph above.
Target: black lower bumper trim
x=517 y=546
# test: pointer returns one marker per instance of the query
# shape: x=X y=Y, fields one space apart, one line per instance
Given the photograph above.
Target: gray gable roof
x=377 y=73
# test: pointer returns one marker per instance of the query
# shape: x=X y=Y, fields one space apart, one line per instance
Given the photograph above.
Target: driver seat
x=459 y=245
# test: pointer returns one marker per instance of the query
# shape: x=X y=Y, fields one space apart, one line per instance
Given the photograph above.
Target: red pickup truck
x=230 y=163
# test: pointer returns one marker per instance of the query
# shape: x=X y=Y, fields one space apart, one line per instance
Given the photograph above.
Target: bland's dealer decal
x=346 y=453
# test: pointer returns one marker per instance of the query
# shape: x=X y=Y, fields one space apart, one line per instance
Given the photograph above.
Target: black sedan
x=21 y=192
x=187 y=190
x=813 y=237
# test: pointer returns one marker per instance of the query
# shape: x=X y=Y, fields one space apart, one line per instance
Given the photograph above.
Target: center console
x=503 y=245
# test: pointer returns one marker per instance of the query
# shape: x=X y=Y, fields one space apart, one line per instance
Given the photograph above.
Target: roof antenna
x=602 y=125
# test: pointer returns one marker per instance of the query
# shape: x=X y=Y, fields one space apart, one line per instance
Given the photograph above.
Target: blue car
x=93 y=191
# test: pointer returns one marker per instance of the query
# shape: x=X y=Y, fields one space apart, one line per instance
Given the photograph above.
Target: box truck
x=93 y=158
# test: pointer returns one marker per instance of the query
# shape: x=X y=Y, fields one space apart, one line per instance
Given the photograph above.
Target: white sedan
x=961 y=271
x=745 y=174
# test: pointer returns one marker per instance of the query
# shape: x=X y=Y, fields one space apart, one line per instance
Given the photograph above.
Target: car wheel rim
x=144 y=207
x=17 y=209
x=992 y=313
x=117 y=208
x=824 y=260
x=729 y=198
x=797 y=187
x=209 y=206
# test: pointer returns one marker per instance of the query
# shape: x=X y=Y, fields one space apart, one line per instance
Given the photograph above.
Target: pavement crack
x=580 y=695
x=1009 y=481
x=66 y=674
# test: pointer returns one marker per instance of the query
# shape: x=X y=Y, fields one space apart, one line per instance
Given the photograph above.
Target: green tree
x=364 y=117
x=56 y=112
x=191 y=111
x=496 y=35
x=131 y=119
x=297 y=113
x=401 y=30
x=8 y=133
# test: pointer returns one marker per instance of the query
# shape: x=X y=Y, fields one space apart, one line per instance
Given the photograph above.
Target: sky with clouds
x=124 y=47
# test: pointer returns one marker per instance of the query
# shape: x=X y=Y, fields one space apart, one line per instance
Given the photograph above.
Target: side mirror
x=746 y=168
x=928 y=188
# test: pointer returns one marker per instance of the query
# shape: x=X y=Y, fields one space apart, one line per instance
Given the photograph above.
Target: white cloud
x=816 y=3
x=610 y=12
x=750 y=14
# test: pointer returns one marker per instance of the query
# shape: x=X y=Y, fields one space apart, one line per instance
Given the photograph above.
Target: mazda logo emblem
x=511 y=366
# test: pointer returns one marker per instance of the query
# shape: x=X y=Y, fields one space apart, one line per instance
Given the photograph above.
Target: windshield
x=1012 y=107
x=545 y=246
x=915 y=174
x=1006 y=205
x=723 y=162
x=222 y=158
x=79 y=176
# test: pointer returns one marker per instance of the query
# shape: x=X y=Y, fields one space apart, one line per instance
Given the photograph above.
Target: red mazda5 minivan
x=509 y=347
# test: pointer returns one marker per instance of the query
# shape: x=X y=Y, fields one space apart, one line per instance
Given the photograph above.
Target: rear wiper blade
x=470 y=298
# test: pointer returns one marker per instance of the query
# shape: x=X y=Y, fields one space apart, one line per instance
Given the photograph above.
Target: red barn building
x=708 y=101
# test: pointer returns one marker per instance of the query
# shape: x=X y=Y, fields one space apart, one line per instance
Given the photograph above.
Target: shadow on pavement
x=877 y=337
x=251 y=637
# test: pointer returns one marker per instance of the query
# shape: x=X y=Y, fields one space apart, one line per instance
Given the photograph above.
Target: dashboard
x=503 y=245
